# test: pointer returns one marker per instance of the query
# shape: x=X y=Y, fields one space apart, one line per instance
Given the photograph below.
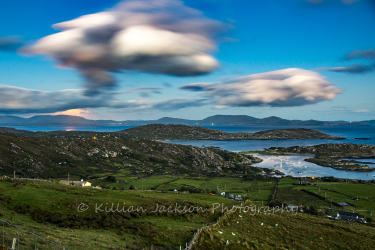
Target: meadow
x=259 y=228
x=52 y=211
x=116 y=218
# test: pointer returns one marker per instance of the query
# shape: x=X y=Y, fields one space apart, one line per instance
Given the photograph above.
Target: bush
x=111 y=178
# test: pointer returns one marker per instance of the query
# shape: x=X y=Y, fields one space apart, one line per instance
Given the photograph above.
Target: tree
x=111 y=178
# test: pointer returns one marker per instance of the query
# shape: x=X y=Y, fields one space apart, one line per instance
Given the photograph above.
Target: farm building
x=349 y=216
x=80 y=183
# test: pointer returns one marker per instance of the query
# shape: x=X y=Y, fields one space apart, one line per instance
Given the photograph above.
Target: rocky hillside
x=331 y=155
x=184 y=132
x=172 y=132
x=331 y=150
x=55 y=157
x=180 y=132
x=300 y=133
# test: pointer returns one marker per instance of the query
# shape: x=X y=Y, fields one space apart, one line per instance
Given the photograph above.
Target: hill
x=55 y=157
x=179 y=132
x=370 y=122
x=263 y=228
x=221 y=120
x=184 y=132
x=80 y=218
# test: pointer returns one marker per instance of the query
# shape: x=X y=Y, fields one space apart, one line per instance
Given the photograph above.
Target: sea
x=290 y=165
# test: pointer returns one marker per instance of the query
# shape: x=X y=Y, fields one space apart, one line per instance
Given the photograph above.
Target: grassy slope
x=285 y=231
x=174 y=230
x=29 y=205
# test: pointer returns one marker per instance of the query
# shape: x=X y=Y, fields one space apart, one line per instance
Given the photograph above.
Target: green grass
x=226 y=183
x=34 y=206
x=357 y=190
x=151 y=183
x=259 y=195
x=169 y=230
x=288 y=180
x=333 y=192
x=195 y=182
x=294 y=196
x=284 y=231
x=169 y=187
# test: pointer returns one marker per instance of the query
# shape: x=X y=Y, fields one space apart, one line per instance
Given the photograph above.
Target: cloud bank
x=14 y=100
x=357 y=68
x=281 y=88
x=354 y=69
x=152 y=36
x=346 y=2
x=11 y=43
x=363 y=54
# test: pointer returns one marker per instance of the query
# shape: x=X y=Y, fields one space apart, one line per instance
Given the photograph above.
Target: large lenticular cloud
x=281 y=88
x=152 y=36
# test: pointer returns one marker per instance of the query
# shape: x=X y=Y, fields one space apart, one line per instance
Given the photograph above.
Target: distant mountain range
x=223 y=120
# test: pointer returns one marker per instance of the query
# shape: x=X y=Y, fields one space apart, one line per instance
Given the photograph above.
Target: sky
x=147 y=59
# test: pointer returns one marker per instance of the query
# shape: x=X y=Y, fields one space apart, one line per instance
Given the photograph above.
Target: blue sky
x=234 y=42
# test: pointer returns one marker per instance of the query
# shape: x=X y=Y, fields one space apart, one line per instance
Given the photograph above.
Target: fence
x=17 y=238
x=6 y=178
x=196 y=235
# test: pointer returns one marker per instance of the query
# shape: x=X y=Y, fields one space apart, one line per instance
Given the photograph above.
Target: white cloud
x=281 y=88
x=152 y=36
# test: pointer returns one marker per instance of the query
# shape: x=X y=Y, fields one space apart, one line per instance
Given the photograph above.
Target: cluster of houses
x=349 y=216
x=341 y=215
x=80 y=183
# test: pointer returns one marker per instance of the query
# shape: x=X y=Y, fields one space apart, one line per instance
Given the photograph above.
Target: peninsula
x=180 y=132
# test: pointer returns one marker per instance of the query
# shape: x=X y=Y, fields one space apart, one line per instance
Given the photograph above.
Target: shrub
x=111 y=178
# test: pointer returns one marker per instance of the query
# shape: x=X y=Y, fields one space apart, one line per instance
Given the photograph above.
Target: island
x=180 y=132
x=332 y=155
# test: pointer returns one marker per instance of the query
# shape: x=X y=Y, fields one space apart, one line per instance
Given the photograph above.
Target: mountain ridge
x=224 y=120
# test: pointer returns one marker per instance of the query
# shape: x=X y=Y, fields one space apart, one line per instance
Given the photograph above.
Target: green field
x=259 y=230
x=151 y=183
x=357 y=190
x=360 y=197
x=253 y=190
x=50 y=210
x=195 y=182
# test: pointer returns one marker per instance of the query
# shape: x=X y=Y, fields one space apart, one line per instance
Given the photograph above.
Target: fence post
x=14 y=244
